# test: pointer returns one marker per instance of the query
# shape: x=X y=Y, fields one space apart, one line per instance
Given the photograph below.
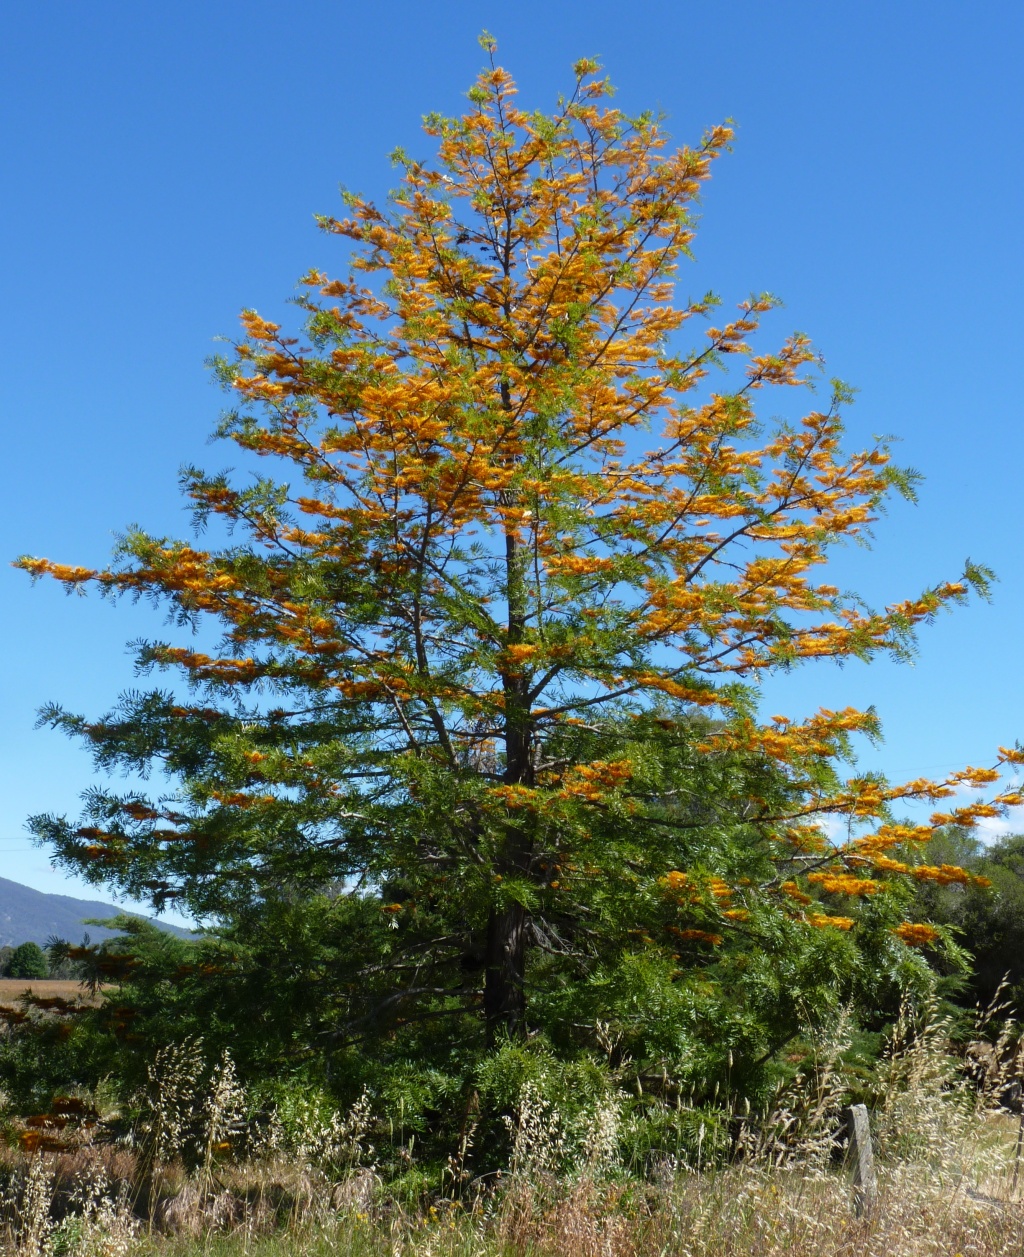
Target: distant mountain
x=30 y=916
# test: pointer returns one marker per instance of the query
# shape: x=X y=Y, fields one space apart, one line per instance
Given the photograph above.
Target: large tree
x=483 y=707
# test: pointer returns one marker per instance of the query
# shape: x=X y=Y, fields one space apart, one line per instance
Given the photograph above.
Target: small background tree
x=28 y=960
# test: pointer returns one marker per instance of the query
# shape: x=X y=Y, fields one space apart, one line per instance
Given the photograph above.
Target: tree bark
x=504 y=992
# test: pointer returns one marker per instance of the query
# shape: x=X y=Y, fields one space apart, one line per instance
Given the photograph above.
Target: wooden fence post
x=862 y=1159
x=1014 y=1102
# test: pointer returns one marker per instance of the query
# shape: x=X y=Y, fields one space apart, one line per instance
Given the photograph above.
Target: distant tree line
x=30 y=961
x=987 y=922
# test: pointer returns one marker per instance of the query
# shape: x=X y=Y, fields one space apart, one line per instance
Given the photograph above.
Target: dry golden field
x=11 y=990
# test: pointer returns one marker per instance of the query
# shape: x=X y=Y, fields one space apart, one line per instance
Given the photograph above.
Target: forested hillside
x=32 y=916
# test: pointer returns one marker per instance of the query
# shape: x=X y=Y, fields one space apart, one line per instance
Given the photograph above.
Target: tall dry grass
x=946 y=1148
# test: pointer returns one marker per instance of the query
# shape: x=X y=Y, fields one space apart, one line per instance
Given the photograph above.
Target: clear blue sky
x=161 y=166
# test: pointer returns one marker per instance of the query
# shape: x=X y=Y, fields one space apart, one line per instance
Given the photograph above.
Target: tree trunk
x=504 y=994
x=507 y=927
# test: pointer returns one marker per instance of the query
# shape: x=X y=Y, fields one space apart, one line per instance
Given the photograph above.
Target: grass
x=741 y=1212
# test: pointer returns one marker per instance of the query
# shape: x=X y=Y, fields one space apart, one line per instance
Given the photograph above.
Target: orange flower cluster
x=593 y=781
x=697 y=936
x=821 y=921
x=944 y=874
x=792 y=891
x=917 y=935
x=693 y=891
x=839 y=883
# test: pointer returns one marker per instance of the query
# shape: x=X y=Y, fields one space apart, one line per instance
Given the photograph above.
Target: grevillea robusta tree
x=478 y=742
